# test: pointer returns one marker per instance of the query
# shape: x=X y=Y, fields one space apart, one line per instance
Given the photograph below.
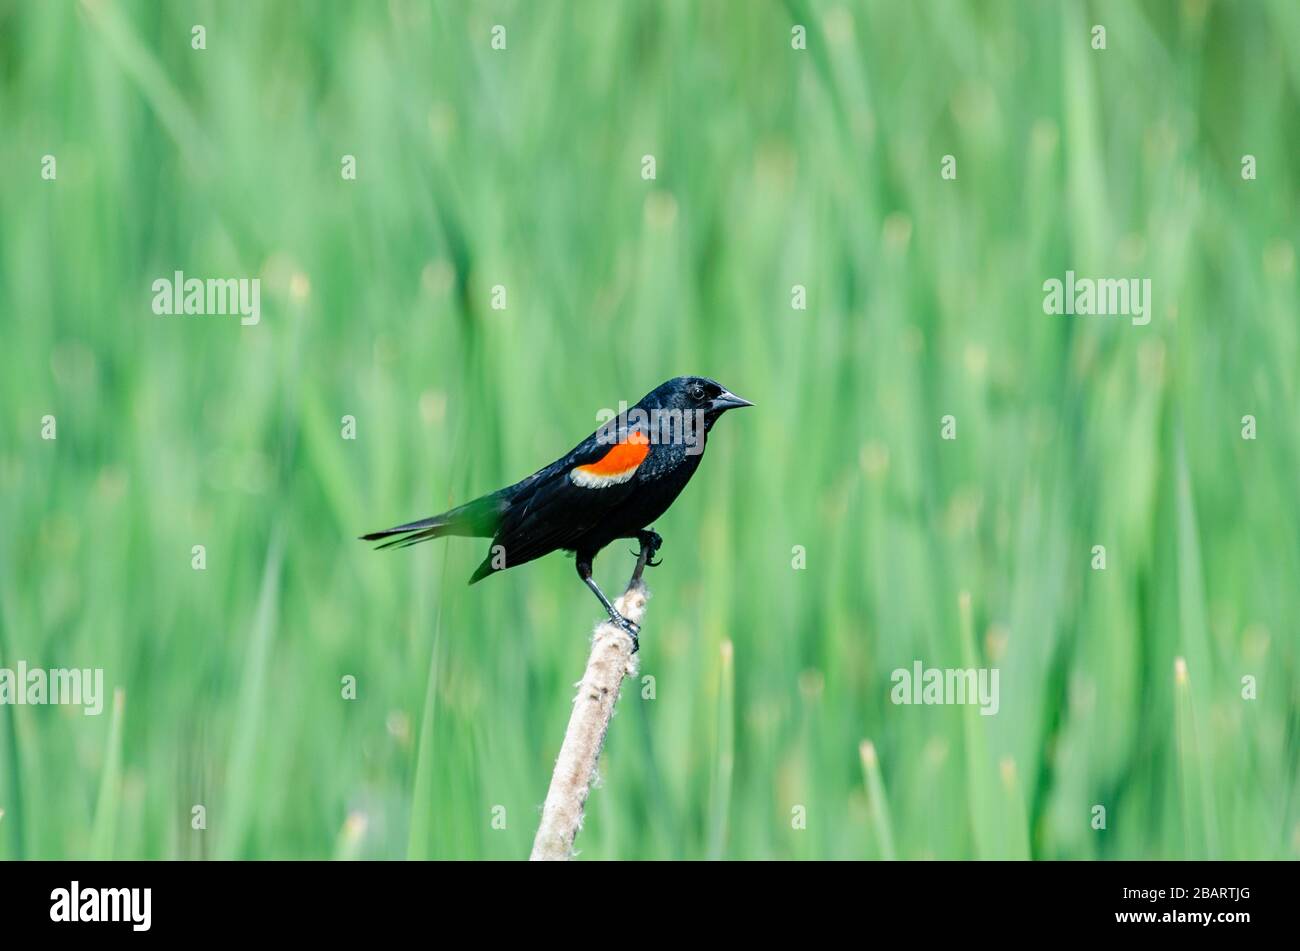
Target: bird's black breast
x=658 y=482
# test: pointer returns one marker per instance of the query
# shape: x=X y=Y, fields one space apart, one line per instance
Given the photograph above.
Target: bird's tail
x=479 y=519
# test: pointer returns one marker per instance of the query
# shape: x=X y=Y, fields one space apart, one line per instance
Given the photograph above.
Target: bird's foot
x=630 y=628
x=651 y=542
x=654 y=541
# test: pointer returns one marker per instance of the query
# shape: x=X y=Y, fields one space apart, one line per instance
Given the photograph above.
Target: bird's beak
x=728 y=400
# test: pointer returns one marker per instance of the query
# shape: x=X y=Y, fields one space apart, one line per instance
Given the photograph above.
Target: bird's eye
x=695 y=392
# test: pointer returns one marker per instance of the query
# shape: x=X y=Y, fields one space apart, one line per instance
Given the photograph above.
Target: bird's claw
x=651 y=542
x=631 y=629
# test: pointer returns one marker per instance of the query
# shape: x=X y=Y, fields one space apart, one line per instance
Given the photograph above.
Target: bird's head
x=694 y=393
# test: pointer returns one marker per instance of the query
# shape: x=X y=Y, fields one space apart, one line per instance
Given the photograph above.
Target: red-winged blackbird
x=612 y=485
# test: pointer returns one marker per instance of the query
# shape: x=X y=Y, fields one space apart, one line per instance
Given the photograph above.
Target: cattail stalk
x=611 y=660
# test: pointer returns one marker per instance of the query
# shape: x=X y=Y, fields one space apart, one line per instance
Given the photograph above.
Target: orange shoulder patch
x=617 y=465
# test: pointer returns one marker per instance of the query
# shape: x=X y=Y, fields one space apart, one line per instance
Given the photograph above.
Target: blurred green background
x=775 y=167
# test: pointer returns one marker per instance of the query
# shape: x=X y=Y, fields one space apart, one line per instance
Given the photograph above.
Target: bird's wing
x=556 y=506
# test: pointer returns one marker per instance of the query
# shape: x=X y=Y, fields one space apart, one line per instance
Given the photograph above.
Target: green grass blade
x=876 y=800
x=103 y=836
x=724 y=753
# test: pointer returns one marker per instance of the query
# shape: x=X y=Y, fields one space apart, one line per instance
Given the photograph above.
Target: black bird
x=613 y=484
